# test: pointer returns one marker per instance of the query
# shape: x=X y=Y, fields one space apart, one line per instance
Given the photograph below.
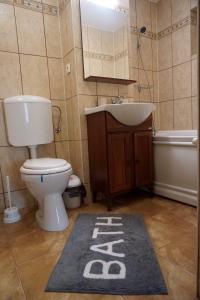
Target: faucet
x=117 y=100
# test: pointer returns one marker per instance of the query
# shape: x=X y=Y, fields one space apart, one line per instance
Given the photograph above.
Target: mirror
x=105 y=38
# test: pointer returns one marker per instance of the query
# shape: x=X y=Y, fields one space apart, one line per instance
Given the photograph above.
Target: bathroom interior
x=98 y=72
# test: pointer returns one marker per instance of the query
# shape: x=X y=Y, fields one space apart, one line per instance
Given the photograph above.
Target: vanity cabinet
x=120 y=156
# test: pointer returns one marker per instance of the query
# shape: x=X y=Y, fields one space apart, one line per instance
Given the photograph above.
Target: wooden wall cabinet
x=120 y=156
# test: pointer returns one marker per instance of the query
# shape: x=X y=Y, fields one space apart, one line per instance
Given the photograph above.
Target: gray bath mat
x=108 y=254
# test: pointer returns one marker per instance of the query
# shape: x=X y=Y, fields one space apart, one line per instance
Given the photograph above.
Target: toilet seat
x=44 y=166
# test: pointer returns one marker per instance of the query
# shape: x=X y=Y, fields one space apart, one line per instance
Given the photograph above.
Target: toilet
x=29 y=123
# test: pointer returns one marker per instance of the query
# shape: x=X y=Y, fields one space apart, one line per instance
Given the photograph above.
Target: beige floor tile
x=29 y=254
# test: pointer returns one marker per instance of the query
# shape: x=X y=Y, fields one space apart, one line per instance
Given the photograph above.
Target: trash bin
x=74 y=192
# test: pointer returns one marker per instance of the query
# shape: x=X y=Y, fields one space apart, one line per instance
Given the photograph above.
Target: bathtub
x=176 y=173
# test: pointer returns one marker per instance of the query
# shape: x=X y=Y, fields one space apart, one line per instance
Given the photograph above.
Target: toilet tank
x=28 y=120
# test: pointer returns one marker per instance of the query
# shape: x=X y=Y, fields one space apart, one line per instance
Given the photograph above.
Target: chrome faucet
x=117 y=100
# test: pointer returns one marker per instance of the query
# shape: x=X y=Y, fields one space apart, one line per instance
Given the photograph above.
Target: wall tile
x=3 y=135
x=194 y=77
x=180 y=10
x=182 y=80
x=183 y=114
x=47 y=150
x=70 y=79
x=30 y=29
x=165 y=85
x=2 y=203
x=62 y=150
x=76 y=159
x=63 y=135
x=107 y=89
x=8 y=37
x=146 y=95
x=9 y=75
x=56 y=76
x=50 y=2
x=165 y=52
x=194 y=113
x=154 y=17
x=133 y=18
x=143 y=14
x=35 y=75
x=86 y=172
x=11 y=159
x=21 y=199
x=73 y=119
x=76 y=23
x=156 y=117
x=52 y=32
x=156 y=87
x=166 y=115
x=1 y=181
x=89 y=198
x=83 y=87
x=164 y=14
x=85 y=101
x=181 y=45
x=145 y=60
x=66 y=29
x=134 y=51
x=155 y=55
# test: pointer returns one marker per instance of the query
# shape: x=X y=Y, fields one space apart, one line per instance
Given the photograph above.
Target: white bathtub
x=175 y=155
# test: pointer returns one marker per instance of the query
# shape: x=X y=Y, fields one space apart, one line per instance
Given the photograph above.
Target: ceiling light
x=106 y=3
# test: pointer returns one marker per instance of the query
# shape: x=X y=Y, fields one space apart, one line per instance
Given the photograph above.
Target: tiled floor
x=28 y=254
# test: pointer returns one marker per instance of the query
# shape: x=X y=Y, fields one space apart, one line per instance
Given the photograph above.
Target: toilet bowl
x=29 y=124
x=46 y=179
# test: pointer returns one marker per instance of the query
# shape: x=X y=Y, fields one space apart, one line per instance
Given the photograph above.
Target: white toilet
x=29 y=123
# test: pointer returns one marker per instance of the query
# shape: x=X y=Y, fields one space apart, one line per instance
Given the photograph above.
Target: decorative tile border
x=186 y=21
x=99 y=56
x=148 y=34
x=105 y=57
x=157 y=36
x=34 y=5
x=121 y=54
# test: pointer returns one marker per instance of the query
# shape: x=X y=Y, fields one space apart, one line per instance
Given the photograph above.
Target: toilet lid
x=45 y=163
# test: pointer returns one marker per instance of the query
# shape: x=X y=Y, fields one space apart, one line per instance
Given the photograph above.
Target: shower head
x=143 y=29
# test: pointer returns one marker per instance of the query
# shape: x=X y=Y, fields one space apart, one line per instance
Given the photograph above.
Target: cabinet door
x=143 y=158
x=119 y=161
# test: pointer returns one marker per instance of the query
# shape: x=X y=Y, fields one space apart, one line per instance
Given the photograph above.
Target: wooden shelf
x=110 y=80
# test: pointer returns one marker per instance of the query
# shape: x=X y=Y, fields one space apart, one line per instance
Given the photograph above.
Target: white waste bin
x=72 y=194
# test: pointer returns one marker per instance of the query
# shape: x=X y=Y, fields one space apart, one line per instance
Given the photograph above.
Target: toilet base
x=54 y=216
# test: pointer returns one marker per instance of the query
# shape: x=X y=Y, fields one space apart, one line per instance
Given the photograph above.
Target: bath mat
x=108 y=254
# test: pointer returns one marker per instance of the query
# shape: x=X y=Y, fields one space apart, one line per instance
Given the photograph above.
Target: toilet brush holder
x=11 y=215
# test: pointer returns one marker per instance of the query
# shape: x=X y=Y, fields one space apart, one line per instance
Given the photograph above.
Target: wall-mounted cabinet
x=105 y=39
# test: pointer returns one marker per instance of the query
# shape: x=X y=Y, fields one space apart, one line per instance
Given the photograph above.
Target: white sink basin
x=127 y=113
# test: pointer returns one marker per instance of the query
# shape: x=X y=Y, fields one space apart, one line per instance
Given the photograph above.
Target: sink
x=127 y=113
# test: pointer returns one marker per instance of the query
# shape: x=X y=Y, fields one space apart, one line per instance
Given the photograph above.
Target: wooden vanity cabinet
x=120 y=156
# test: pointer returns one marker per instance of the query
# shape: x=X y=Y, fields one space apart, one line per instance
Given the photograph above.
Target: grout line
x=28 y=54
x=47 y=59
x=18 y=274
x=17 y=36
